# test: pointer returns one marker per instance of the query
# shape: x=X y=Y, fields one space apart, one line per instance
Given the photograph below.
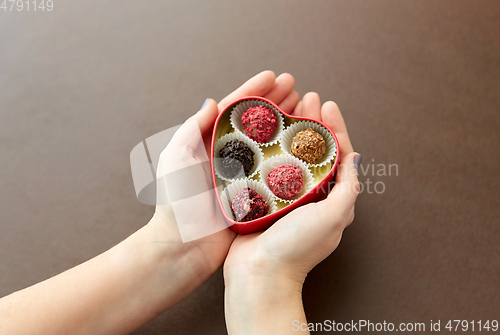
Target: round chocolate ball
x=308 y=145
x=285 y=181
x=248 y=205
x=237 y=159
x=259 y=123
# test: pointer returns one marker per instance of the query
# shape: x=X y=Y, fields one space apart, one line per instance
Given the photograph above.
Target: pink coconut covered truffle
x=259 y=123
x=285 y=181
x=248 y=205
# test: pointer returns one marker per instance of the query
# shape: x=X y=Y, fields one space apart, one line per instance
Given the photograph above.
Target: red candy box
x=271 y=133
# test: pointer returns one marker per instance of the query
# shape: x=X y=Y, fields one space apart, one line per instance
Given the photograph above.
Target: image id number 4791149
x=27 y=5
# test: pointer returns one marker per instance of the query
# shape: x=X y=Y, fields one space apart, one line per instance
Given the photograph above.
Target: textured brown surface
x=418 y=83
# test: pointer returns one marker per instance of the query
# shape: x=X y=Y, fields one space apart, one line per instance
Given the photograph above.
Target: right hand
x=269 y=267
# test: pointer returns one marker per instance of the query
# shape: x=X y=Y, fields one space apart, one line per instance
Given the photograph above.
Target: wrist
x=201 y=257
x=157 y=271
x=260 y=265
x=262 y=304
x=169 y=251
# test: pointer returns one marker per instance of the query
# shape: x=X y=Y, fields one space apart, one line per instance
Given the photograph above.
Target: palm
x=283 y=240
x=280 y=91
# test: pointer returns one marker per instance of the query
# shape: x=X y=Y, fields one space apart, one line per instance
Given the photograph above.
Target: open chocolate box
x=317 y=177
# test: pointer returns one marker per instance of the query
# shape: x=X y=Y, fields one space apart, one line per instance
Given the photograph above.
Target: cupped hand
x=300 y=240
x=183 y=162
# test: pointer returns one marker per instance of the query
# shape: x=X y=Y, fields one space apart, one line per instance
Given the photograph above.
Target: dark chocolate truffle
x=259 y=123
x=285 y=181
x=237 y=159
x=308 y=145
x=248 y=205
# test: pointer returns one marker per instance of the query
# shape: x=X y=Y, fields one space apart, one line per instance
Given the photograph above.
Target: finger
x=331 y=116
x=282 y=88
x=206 y=116
x=258 y=85
x=343 y=196
x=311 y=106
x=186 y=146
x=298 y=109
x=289 y=103
x=194 y=131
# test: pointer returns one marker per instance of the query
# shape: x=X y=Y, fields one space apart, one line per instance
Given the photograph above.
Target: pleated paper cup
x=290 y=132
x=242 y=107
x=258 y=156
x=275 y=161
x=238 y=185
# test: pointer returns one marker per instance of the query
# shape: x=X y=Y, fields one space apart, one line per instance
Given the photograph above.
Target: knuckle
x=357 y=187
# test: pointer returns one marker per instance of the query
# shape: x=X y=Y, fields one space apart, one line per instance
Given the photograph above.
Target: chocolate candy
x=285 y=181
x=237 y=159
x=308 y=145
x=248 y=205
x=259 y=123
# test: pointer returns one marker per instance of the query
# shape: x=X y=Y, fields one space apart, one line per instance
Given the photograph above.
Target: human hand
x=268 y=268
x=190 y=147
x=151 y=270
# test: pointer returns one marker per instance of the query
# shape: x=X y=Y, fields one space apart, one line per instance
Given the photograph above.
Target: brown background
x=417 y=81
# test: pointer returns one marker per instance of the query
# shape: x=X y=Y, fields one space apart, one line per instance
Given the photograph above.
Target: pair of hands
x=300 y=240
x=264 y=271
x=152 y=270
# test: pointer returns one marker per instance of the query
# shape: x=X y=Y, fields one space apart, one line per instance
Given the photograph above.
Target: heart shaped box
x=322 y=179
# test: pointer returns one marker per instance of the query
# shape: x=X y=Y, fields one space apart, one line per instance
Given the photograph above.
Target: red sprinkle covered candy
x=285 y=181
x=259 y=123
x=248 y=205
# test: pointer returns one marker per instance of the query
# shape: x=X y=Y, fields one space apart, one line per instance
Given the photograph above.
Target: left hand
x=150 y=271
x=184 y=150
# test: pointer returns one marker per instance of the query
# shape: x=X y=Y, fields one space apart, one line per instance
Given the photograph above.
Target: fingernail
x=205 y=103
x=357 y=161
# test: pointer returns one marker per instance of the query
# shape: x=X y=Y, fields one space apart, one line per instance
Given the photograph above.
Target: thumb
x=190 y=133
x=186 y=146
x=346 y=189
x=206 y=116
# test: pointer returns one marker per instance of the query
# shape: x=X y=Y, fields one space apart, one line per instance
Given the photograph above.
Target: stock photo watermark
x=371 y=172
x=374 y=171
x=26 y=6
x=366 y=326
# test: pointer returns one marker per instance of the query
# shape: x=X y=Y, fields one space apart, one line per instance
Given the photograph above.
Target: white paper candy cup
x=290 y=132
x=242 y=107
x=275 y=161
x=258 y=156
x=239 y=185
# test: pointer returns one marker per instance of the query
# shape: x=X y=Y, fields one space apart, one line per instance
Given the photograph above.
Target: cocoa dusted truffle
x=308 y=145
x=285 y=181
x=236 y=155
x=248 y=205
x=259 y=123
